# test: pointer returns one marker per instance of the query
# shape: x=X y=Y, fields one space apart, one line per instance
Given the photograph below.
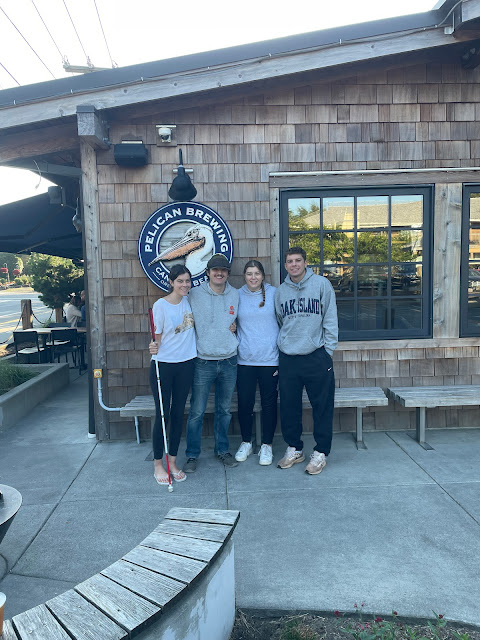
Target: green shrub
x=22 y=281
x=11 y=376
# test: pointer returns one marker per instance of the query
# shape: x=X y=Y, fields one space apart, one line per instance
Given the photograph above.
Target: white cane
x=164 y=428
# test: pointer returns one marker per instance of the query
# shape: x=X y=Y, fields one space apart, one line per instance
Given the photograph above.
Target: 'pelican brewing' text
x=185 y=232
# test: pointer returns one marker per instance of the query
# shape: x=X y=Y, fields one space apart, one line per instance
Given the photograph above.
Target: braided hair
x=258 y=265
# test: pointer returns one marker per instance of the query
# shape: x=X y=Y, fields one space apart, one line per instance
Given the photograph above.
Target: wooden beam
x=446 y=260
x=284 y=180
x=91 y=127
x=93 y=273
x=39 y=142
x=238 y=73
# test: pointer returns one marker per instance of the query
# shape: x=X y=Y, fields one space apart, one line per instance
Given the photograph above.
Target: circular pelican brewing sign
x=182 y=232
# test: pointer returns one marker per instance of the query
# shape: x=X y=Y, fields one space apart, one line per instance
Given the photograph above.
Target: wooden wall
x=423 y=116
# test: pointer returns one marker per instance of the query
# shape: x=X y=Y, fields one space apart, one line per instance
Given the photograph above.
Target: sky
x=38 y=36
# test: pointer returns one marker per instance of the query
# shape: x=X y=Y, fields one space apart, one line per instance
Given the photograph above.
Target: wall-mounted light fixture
x=131 y=153
x=166 y=135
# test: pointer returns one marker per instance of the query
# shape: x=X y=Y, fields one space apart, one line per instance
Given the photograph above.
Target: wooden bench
x=358 y=397
x=179 y=578
x=423 y=398
x=144 y=407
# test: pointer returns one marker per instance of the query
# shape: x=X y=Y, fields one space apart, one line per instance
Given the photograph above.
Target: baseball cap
x=218 y=261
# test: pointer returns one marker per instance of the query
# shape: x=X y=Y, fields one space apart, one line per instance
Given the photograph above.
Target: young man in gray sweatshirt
x=307 y=314
x=214 y=306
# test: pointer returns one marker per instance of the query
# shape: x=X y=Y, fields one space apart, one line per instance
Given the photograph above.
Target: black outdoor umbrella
x=34 y=224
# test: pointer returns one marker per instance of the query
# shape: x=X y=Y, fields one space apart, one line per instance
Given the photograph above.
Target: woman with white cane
x=173 y=350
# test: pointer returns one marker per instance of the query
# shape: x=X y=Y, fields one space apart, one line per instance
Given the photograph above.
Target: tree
x=55 y=279
x=12 y=261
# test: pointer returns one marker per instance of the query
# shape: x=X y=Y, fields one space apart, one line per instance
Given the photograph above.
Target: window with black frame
x=470 y=268
x=374 y=246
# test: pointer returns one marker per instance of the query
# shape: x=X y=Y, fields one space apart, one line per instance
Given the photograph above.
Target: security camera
x=165 y=134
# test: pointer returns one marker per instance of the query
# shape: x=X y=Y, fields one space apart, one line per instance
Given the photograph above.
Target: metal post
x=27 y=315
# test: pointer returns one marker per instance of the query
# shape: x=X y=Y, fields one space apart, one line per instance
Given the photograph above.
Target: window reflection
x=310 y=242
x=406 y=246
x=338 y=213
x=346 y=315
x=372 y=212
x=372 y=314
x=341 y=278
x=407 y=314
x=303 y=213
x=473 y=314
x=338 y=247
x=372 y=281
x=474 y=207
x=474 y=278
x=407 y=211
x=406 y=279
x=369 y=244
x=372 y=246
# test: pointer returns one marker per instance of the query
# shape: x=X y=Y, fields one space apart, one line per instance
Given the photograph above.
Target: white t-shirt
x=175 y=323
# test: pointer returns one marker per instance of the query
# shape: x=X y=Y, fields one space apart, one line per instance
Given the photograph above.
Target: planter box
x=18 y=402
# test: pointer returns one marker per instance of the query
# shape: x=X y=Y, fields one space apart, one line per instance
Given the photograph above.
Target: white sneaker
x=316 y=464
x=244 y=450
x=265 y=454
x=291 y=457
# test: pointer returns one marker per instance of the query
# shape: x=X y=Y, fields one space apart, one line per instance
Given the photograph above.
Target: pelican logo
x=182 y=232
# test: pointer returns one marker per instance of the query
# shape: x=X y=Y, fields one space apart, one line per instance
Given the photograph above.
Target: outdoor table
x=45 y=332
x=10 y=501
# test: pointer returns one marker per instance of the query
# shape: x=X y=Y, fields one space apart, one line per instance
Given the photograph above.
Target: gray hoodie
x=213 y=314
x=307 y=315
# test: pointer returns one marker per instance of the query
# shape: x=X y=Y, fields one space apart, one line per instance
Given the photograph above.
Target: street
x=10 y=310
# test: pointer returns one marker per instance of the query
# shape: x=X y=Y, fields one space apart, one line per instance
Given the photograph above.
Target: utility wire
x=114 y=64
x=13 y=24
x=64 y=58
x=5 y=68
x=76 y=32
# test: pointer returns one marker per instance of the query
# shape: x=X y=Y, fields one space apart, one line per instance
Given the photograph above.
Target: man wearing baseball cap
x=214 y=305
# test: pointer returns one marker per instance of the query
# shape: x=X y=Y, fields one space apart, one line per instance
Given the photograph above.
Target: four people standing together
x=286 y=335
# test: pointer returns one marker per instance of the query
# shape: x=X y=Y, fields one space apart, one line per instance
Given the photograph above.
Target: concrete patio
x=395 y=526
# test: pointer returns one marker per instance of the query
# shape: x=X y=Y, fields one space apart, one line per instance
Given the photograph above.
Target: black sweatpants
x=267 y=378
x=314 y=372
x=175 y=381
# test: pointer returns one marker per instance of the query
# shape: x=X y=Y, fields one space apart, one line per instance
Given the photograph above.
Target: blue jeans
x=224 y=374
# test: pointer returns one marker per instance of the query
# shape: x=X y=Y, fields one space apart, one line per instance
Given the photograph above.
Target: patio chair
x=27 y=346
x=63 y=342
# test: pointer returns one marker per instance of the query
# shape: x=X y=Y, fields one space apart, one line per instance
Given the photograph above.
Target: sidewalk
x=395 y=526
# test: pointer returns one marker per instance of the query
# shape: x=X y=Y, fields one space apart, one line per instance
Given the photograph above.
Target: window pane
x=372 y=281
x=406 y=279
x=407 y=246
x=341 y=278
x=475 y=207
x=346 y=316
x=338 y=213
x=407 y=314
x=337 y=247
x=474 y=278
x=372 y=212
x=407 y=211
x=310 y=242
x=473 y=314
x=372 y=246
x=303 y=213
x=372 y=314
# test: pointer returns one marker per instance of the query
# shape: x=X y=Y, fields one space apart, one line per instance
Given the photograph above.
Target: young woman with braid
x=257 y=332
